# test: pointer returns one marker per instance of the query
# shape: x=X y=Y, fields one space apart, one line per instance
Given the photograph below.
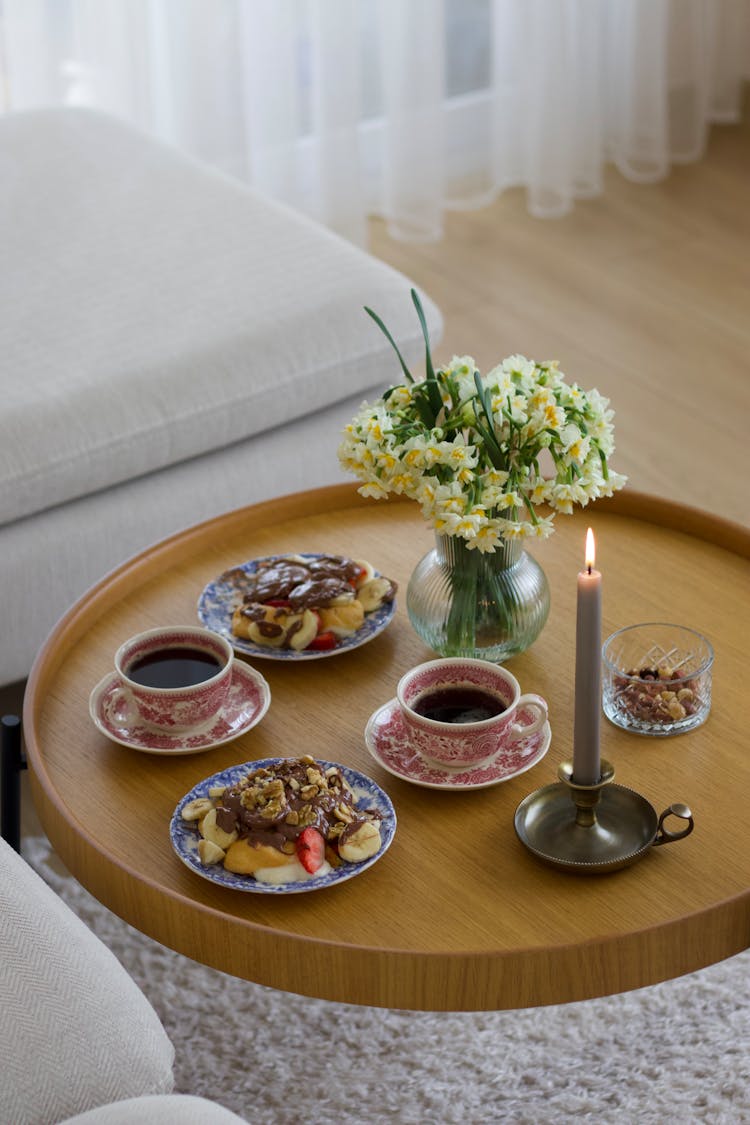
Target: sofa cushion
x=75 y=1030
x=152 y=309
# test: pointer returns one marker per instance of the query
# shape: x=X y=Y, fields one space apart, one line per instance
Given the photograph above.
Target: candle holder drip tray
x=593 y=828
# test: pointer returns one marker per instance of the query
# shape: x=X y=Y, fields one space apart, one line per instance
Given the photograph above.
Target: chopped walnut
x=307 y=815
x=272 y=810
x=273 y=788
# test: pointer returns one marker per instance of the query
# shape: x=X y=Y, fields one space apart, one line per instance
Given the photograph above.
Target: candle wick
x=589 y=568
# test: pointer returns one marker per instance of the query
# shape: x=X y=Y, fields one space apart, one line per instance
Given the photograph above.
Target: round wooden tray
x=458 y=915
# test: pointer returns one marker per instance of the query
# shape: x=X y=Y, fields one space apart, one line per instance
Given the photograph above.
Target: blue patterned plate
x=221 y=596
x=367 y=795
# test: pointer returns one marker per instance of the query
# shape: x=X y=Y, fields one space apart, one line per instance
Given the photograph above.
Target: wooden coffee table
x=457 y=915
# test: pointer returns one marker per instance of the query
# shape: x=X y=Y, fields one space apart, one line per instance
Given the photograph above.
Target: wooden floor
x=643 y=293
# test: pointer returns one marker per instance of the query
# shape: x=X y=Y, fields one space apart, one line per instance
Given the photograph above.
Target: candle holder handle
x=665 y=835
x=586 y=797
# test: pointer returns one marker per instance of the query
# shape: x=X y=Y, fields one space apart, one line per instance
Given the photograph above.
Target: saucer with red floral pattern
x=386 y=739
x=247 y=701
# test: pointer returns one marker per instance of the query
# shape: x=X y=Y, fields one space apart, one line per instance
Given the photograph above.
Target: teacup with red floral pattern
x=152 y=690
x=485 y=706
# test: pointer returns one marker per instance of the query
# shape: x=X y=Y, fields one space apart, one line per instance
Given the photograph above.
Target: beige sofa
x=173 y=346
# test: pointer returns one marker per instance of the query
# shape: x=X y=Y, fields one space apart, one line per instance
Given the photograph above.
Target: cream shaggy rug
x=676 y=1051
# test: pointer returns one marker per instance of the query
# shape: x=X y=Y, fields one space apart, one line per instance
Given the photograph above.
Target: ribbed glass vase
x=466 y=603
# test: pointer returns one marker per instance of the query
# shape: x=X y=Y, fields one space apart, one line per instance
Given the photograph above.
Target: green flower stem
x=478 y=609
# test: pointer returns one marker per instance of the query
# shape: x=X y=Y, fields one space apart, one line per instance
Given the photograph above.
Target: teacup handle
x=532 y=703
x=663 y=835
x=119 y=708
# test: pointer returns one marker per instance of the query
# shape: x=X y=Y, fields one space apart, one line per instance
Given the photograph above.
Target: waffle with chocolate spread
x=297 y=815
x=306 y=602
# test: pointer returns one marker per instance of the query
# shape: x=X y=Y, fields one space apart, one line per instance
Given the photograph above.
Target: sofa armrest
x=76 y=1032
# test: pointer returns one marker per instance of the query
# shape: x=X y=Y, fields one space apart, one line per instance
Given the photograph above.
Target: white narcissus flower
x=425 y=491
x=377 y=424
x=386 y=461
x=542 y=529
x=571 y=397
x=540 y=491
x=509 y=500
x=445 y=522
x=400 y=482
x=452 y=504
x=374 y=489
x=613 y=483
x=461 y=365
x=553 y=416
x=458 y=454
x=494 y=478
x=469 y=524
x=563 y=496
x=422 y=452
x=575 y=445
x=520 y=365
x=399 y=397
x=486 y=539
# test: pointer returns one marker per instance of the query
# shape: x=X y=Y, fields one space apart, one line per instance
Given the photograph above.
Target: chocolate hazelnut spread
x=314 y=582
x=274 y=806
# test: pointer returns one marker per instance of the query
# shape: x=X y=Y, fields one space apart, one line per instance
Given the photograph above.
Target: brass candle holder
x=593 y=828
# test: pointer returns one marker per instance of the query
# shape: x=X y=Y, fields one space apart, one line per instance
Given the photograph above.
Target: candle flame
x=590 y=549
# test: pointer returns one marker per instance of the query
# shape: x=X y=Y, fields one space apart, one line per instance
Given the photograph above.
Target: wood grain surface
x=457 y=915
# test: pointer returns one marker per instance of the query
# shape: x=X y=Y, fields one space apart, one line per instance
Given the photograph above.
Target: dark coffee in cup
x=173 y=678
x=174 y=667
x=458 y=703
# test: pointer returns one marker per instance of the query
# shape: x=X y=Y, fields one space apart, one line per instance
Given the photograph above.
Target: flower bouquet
x=491 y=459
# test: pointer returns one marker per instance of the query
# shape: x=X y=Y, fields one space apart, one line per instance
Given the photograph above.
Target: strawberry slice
x=323 y=642
x=311 y=849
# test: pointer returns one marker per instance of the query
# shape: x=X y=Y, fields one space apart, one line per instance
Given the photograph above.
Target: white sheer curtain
x=399 y=107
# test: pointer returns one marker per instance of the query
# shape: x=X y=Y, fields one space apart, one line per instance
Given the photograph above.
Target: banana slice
x=373 y=593
x=362 y=844
x=306 y=632
x=210 y=830
x=209 y=852
x=216 y=791
x=272 y=630
x=197 y=808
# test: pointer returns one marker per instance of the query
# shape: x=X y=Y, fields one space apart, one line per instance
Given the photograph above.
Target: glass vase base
x=486 y=606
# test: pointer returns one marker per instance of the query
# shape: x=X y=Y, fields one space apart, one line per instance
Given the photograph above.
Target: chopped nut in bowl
x=282 y=825
x=656 y=678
